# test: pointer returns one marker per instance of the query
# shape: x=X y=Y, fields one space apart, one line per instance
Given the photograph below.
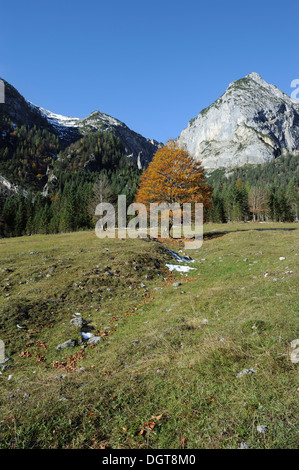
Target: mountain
x=70 y=129
x=253 y=122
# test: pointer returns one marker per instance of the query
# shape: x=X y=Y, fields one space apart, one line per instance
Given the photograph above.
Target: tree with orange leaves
x=174 y=176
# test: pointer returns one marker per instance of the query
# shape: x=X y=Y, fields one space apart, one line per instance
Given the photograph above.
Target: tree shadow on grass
x=211 y=235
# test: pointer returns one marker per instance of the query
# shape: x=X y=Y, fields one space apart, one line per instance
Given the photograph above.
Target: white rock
x=262 y=428
x=294 y=343
x=243 y=445
x=294 y=356
x=246 y=371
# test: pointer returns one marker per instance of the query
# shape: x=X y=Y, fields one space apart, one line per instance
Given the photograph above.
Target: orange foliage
x=173 y=176
x=53 y=198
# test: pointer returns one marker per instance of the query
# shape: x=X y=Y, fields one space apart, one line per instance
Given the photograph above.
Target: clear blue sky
x=153 y=64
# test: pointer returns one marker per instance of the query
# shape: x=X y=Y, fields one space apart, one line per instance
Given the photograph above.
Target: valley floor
x=201 y=365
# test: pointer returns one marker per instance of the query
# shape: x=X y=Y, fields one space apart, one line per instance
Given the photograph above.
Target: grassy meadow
x=165 y=373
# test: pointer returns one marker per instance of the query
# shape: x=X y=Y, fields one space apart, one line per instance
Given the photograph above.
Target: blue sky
x=153 y=64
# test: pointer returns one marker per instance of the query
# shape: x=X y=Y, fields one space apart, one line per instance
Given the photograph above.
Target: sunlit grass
x=170 y=356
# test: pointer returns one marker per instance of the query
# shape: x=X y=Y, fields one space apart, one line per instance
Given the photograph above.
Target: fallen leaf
x=158 y=417
x=25 y=354
x=183 y=442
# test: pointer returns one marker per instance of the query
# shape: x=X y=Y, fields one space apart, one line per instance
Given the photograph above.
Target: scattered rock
x=246 y=371
x=6 y=364
x=176 y=284
x=243 y=445
x=294 y=343
x=94 y=340
x=294 y=355
x=78 y=321
x=281 y=258
x=262 y=428
x=70 y=343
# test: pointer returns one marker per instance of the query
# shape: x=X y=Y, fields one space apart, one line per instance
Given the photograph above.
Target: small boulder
x=70 y=343
x=243 y=445
x=262 y=428
x=294 y=343
x=94 y=340
x=245 y=371
x=294 y=355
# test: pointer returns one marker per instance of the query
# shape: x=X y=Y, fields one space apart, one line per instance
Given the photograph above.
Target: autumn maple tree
x=174 y=176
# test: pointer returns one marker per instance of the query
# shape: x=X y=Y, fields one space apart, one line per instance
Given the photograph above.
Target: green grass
x=157 y=363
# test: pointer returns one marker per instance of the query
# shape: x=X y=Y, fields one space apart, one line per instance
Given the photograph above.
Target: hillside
x=32 y=139
x=201 y=364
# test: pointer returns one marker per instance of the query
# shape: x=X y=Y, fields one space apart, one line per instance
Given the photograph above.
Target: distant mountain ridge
x=69 y=129
x=253 y=122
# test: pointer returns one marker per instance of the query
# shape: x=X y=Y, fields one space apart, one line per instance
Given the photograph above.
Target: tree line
x=267 y=192
x=94 y=169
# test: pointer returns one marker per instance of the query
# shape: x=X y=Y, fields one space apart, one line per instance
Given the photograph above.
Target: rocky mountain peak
x=252 y=122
